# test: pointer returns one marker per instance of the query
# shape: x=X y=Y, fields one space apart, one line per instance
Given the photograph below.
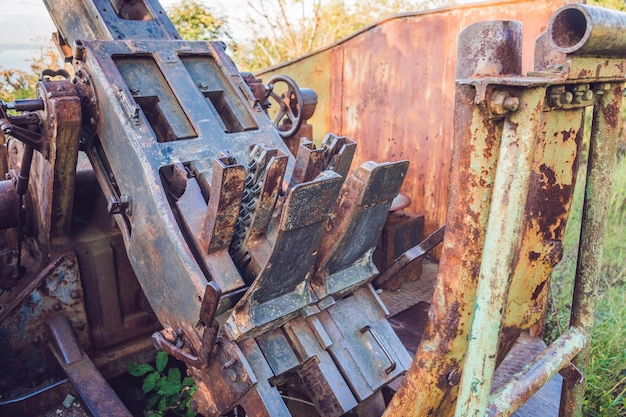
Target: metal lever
x=411 y=255
x=392 y=365
x=207 y=318
x=161 y=343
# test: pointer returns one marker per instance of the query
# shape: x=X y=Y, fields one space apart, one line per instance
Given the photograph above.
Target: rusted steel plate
x=390 y=87
x=61 y=121
x=96 y=393
x=25 y=358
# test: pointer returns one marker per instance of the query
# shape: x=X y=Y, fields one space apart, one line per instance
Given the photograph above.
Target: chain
x=253 y=186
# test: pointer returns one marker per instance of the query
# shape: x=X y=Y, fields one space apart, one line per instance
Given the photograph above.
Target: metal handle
x=392 y=365
x=161 y=343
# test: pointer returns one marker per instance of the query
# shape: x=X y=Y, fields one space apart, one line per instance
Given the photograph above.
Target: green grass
x=605 y=392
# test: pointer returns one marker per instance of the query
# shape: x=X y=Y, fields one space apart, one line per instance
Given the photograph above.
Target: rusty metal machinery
x=151 y=194
x=252 y=260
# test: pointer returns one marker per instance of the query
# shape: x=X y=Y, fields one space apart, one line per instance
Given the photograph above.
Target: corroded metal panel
x=390 y=87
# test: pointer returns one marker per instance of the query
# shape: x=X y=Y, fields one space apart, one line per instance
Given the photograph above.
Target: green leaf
x=139 y=369
x=188 y=381
x=152 y=401
x=150 y=382
x=174 y=375
x=172 y=401
x=162 y=404
x=190 y=413
x=169 y=387
x=161 y=360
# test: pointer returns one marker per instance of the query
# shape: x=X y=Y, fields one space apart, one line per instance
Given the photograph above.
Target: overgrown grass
x=605 y=392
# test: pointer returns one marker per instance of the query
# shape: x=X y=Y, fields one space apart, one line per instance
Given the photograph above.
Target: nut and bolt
x=502 y=103
x=582 y=93
x=602 y=88
x=75 y=294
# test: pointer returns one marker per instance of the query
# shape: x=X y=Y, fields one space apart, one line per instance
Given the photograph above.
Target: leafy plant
x=165 y=392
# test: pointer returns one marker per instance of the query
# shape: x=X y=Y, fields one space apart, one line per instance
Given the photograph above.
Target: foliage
x=611 y=4
x=285 y=29
x=17 y=84
x=194 y=21
x=166 y=392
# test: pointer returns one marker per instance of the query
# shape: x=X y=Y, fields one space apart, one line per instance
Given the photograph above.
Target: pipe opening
x=568 y=28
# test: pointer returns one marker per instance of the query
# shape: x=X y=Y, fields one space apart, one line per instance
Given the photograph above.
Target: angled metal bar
x=525 y=383
x=96 y=393
x=501 y=247
x=602 y=150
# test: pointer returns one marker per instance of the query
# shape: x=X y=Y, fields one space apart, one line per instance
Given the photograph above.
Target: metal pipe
x=26 y=105
x=9 y=212
x=581 y=29
x=525 y=383
x=502 y=242
x=602 y=150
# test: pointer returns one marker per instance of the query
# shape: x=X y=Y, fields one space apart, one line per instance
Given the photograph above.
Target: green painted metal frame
x=510 y=196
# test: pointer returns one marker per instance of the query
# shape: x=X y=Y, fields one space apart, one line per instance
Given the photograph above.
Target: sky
x=26 y=27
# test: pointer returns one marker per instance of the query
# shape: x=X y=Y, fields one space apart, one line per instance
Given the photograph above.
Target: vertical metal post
x=602 y=151
x=501 y=246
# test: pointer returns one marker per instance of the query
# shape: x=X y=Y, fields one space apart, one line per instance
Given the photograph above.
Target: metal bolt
x=567 y=97
x=501 y=103
x=202 y=85
x=75 y=294
x=134 y=91
x=602 y=88
x=511 y=103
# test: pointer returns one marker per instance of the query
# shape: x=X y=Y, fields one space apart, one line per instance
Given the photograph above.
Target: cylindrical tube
x=581 y=29
x=32 y=104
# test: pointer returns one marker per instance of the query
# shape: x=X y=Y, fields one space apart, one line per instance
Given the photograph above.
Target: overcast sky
x=25 y=27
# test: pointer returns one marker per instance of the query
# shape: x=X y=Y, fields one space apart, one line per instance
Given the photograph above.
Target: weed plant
x=605 y=392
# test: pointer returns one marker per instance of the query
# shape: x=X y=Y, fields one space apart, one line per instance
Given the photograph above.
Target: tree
x=285 y=29
x=18 y=84
x=194 y=21
x=611 y=4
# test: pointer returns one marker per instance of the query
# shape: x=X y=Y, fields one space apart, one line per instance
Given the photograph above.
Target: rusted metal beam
x=524 y=384
x=411 y=255
x=95 y=392
x=602 y=150
x=436 y=367
x=502 y=242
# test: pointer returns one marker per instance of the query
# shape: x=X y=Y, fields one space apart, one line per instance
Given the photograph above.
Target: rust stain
x=416 y=105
